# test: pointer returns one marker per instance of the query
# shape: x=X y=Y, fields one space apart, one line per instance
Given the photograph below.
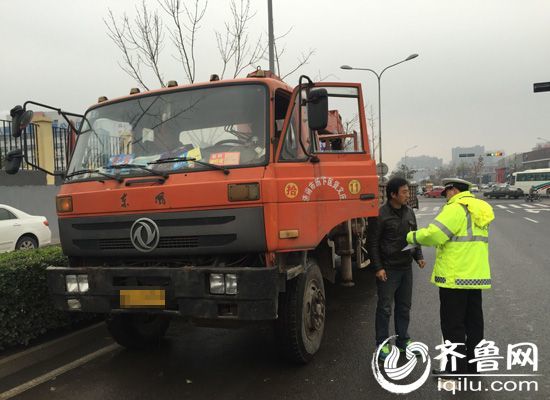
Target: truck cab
x=223 y=202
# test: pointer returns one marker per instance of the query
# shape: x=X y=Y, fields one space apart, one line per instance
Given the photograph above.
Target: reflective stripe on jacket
x=461 y=235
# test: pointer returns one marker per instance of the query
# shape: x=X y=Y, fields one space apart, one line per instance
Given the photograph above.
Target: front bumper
x=187 y=291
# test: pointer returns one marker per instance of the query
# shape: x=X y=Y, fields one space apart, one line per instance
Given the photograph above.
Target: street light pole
x=379 y=77
x=271 y=36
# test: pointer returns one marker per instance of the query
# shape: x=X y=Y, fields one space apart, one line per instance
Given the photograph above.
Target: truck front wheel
x=301 y=320
x=136 y=331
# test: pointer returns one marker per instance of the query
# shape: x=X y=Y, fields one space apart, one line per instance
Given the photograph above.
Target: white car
x=21 y=231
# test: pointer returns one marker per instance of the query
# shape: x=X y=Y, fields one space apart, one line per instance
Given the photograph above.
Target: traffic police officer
x=460 y=233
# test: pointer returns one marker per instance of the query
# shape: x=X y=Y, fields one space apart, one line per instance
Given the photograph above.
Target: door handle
x=16 y=224
x=367 y=196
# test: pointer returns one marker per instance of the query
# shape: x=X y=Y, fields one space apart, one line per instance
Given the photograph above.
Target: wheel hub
x=314 y=309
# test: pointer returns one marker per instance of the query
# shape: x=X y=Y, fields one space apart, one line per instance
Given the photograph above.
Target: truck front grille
x=167 y=242
x=176 y=242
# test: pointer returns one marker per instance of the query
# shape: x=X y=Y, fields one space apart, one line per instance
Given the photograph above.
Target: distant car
x=498 y=192
x=474 y=189
x=436 y=192
x=21 y=231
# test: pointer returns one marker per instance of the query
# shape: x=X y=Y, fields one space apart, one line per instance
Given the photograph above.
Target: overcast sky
x=472 y=83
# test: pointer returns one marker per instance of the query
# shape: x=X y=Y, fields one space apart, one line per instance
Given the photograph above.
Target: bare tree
x=141 y=40
x=477 y=167
x=371 y=120
x=235 y=44
x=319 y=77
x=302 y=60
x=184 y=33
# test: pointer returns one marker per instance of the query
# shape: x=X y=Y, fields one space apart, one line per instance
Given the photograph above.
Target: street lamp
x=379 y=76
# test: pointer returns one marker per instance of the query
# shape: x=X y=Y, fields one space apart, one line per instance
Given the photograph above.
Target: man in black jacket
x=393 y=267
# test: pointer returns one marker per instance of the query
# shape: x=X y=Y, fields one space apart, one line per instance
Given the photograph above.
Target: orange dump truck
x=223 y=202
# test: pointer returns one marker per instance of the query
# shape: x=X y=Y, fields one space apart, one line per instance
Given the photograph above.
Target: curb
x=26 y=358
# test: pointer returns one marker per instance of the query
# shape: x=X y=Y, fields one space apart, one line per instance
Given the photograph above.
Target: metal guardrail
x=60 y=141
x=8 y=143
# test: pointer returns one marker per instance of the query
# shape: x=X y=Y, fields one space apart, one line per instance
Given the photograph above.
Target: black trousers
x=461 y=316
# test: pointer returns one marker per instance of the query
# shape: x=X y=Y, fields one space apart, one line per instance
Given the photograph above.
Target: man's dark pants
x=398 y=289
x=461 y=316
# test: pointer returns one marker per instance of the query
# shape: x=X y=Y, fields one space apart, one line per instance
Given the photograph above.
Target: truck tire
x=137 y=331
x=301 y=321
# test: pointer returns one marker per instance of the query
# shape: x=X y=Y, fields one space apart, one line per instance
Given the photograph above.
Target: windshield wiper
x=143 y=167
x=95 y=171
x=182 y=159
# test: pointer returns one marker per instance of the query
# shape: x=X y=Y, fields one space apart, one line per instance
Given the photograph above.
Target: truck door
x=338 y=181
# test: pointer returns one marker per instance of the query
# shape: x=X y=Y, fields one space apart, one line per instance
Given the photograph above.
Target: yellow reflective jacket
x=460 y=234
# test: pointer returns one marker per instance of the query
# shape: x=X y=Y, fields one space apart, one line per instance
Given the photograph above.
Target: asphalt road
x=204 y=363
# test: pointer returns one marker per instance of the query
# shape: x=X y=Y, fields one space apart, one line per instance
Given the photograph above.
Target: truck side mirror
x=317 y=109
x=20 y=119
x=13 y=161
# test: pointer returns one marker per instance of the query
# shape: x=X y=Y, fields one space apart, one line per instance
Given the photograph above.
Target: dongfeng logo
x=145 y=235
x=396 y=373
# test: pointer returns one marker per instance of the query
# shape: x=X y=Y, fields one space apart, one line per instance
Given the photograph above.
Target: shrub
x=26 y=311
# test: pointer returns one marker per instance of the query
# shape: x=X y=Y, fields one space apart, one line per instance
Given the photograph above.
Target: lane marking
x=42 y=347
x=532 y=220
x=510 y=211
x=436 y=208
x=58 y=371
x=514 y=205
x=537 y=210
x=527 y=205
x=423 y=209
x=501 y=206
x=544 y=205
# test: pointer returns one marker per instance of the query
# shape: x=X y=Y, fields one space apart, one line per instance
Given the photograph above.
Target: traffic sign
x=382 y=169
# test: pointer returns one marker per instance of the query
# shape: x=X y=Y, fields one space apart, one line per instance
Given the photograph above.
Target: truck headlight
x=72 y=283
x=230 y=284
x=82 y=283
x=243 y=191
x=217 y=284
x=74 y=304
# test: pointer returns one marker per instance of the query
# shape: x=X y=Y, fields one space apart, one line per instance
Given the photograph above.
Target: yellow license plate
x=142 y=298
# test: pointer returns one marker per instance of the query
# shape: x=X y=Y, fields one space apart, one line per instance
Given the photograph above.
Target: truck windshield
x=222 y=125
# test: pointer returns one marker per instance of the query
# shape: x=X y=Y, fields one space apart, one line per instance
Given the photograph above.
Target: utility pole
x=271 y=36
